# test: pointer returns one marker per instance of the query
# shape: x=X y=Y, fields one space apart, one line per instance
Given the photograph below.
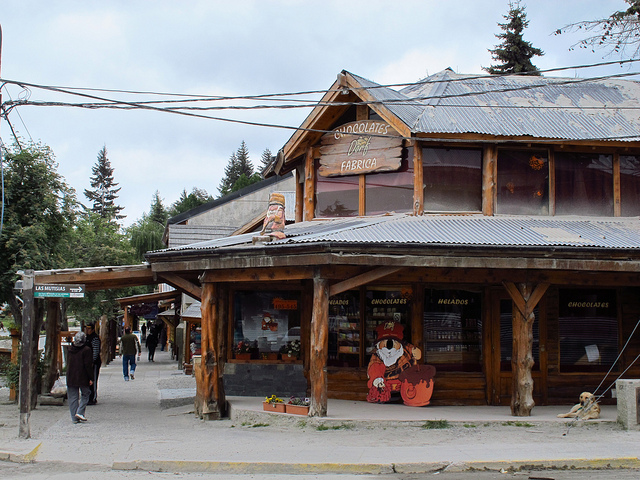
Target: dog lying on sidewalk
x=587 y=409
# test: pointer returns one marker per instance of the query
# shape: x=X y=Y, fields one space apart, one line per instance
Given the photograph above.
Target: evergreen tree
x=266 y=158
x=146 y=234
x=189 y=201
x=239 y=164
x=104 y=193
x=514 y=52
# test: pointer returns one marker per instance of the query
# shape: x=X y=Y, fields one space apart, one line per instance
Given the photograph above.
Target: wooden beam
x=183 y=284
x=489 y=176
x=552 y=182
x=361 y=279
x=319 y=348
x=362 y=195
x=617 y=206
x=258 y=274
x=522 y=357
x=418 y=179
x=309 y=185
x=210 y=400
x=148 y=297
x=299 y=194
x=535 y=297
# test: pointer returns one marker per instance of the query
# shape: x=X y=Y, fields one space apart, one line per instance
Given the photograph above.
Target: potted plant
x=298 y=406
x=273 y=404
x=242 y=350
x=290 y=351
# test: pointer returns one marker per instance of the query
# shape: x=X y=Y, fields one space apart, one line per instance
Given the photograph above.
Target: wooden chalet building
x=495 y=217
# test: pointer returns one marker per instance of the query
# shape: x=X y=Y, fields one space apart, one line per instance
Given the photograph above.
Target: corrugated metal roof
x=461 y=230
x=541 y=107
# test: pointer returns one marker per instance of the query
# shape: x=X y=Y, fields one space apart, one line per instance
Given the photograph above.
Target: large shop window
x=344 y=330
x=452 y=179
x=386 y=305
x=584 y=184
x=337 y=196
x=588 y=330
x=384 y=192
x=630 y=185
x=266 y=323
x=506 y=336
x=452 y=329
x=523 y=182
x=390 y=192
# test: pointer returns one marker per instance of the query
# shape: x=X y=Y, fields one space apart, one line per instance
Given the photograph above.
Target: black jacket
x=79 y=366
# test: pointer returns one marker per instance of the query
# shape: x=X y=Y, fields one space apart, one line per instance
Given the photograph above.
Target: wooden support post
x=418 y=180
x=26 y=361
x=319 y=348
x=127 y=318
x=309 y=185
x=489 y=176
x=617 y=205
x=525 y=297
x=299 y=194
x=210 y=400
x=15 y=348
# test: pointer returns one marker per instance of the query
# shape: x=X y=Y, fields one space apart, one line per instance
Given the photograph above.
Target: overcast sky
x=236 y=48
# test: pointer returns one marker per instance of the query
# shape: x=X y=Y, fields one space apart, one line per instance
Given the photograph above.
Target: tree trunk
x=210 y=401
x=522 y=358
x=51 y=347
x=319 y=348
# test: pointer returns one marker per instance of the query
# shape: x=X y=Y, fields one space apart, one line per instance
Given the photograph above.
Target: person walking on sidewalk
x=79 y=377
x=93 y=340
x=151 y=344
x=128 y=345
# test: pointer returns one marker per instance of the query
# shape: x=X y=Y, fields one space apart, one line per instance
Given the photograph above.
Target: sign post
x=27 y=354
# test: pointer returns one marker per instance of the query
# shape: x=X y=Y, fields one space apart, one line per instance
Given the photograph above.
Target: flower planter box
x=298 y=409
x=274 y=407
x=288 y=358
x=243 y=356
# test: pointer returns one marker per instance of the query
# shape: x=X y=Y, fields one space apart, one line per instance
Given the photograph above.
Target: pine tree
x=238 y=165
x=104 y=193
x=266 y=158
x=514 y=52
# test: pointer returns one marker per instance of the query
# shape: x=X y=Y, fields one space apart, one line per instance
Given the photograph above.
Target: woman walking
x=79 y=375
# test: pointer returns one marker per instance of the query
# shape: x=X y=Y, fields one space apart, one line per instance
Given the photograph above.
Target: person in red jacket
x=79 y=377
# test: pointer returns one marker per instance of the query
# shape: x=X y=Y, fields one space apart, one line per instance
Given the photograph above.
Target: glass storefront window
x=506 y=336
x=344 y=330
x=452 y=330
x=264 y=322
x=384 y=305
x=630 y=185
x=588 y=330
x=523 y=182
x=584 y=184
x=337 y=196
x=452 y=179
x=390 y=192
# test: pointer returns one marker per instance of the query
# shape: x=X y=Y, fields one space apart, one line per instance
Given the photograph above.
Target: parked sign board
x=63 y=291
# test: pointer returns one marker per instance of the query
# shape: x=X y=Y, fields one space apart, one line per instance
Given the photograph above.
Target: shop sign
x=282 y=304
x=59 y=291
x=365 y=146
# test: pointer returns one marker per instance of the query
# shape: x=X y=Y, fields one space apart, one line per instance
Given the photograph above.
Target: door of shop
x=501 y=311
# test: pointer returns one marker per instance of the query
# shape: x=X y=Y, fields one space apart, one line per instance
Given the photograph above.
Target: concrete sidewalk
x=149 y=424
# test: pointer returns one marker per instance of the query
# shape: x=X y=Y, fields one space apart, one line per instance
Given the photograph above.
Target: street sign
x=64 y=291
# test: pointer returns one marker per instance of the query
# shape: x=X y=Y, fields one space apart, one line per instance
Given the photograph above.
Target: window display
x=384 y=305
x=344 y=330
x=588 y=330
x=265 y=324
x=452 y=327
x=523 y=182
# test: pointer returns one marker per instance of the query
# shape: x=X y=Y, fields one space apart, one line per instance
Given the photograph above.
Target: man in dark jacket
x=93 y=340
x=79 y=377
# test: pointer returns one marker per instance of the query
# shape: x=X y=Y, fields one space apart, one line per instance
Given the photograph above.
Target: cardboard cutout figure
x=394 y=368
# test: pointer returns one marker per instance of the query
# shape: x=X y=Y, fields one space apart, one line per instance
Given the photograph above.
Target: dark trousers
x=152 y=352
x=93 y=396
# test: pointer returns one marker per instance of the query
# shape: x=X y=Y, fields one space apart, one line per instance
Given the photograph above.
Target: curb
x=238 y=468
x=255 y=468
x=28 y=457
